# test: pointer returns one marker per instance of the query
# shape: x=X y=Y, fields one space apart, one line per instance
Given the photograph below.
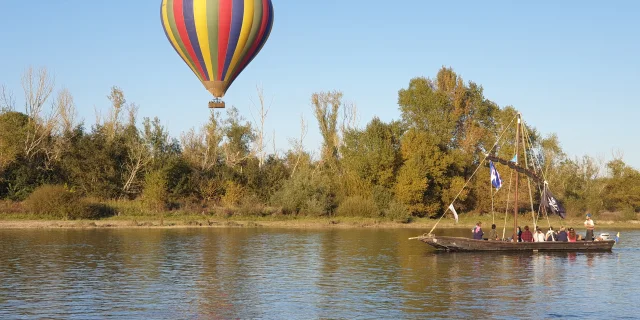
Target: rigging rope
x=493 y=213
x=474 y=173
x=506 y=210
x=526 y=165
x=536 y=159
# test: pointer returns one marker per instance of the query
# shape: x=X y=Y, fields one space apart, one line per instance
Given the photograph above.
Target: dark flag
x=552 y=204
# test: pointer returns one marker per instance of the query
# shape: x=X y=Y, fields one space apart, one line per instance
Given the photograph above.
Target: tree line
x=410 y=167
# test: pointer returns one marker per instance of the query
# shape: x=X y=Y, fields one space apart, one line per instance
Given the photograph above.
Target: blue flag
x=495 y=176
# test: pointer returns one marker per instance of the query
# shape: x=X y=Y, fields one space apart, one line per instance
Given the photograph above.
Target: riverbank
x=423 y=224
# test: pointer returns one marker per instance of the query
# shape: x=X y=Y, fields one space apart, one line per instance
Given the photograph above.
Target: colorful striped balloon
x=217 y=38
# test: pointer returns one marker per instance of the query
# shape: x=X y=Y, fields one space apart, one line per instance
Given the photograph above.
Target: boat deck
x=465 y=244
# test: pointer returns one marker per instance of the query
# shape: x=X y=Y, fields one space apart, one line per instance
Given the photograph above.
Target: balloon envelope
x=217 y=39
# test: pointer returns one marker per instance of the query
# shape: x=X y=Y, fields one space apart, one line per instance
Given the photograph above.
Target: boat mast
x=515 y=206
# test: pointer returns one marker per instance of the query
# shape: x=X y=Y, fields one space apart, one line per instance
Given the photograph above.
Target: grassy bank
x=133 y=214
x=18 y=221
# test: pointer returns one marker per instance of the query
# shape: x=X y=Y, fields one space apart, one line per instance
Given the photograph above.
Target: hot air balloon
x=217 y=39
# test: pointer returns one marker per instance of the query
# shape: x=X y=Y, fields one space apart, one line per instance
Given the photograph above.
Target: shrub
x=629 y=214
x=398 y=212
x=233 y=193
x=11 y=207
x=382 y=197
x=251 y=206
x=358 y=206
x=313 y=208
x=307 y=192
x=128 y=207
x=95 y=211
x=155 y=195
x=54 y=201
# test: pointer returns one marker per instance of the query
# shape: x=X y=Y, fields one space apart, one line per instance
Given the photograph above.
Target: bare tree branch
x=138 y=154
x=273 y=140
x=37 y=89
x=202 y=148
x=260 y=143
x=64 y=107
x=299 y=145
x=349 y=119
x=132 y=110
x=66 y=110
x=7 y=101
x=118 y=101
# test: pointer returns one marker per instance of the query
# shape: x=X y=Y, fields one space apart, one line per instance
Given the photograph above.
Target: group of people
x=565 y=235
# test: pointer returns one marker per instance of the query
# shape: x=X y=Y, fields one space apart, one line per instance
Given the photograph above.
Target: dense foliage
x=411 y=167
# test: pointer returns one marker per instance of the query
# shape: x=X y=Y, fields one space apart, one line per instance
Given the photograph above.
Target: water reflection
x=294 y=274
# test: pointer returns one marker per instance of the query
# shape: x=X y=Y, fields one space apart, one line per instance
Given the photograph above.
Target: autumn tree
x=450 y=125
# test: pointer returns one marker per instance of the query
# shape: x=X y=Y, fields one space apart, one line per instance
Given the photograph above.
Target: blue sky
x=571 y=67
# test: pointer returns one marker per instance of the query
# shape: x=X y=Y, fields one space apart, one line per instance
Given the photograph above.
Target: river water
x=256 y=273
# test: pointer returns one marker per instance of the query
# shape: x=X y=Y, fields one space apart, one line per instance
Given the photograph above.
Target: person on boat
x=526 y=235
x=538 y=236
x=590 y=226
x=562 y=235
x=572 y=236
x=519 y=232
x=493 y=234
x=477 y=231
x=551 y=235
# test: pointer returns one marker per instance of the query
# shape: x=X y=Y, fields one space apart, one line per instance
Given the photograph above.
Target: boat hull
x=466 y=244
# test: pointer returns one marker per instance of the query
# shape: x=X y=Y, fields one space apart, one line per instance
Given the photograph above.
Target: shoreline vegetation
x=200 y=221
x=122 y=172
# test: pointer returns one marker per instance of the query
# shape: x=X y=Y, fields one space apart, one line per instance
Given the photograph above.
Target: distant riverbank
x=423 y=224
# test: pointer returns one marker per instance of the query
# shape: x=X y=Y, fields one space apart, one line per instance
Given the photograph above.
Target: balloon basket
x=216 y=104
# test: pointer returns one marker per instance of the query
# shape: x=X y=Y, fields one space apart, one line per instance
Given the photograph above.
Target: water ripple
x=311 y=274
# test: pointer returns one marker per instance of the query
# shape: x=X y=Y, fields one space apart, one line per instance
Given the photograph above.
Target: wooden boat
x=466 y=244
x=547 y=202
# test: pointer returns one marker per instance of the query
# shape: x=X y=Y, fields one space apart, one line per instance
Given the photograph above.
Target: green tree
x=372 y=155
x=156 y=194
x=622 y=191
x=13 y=133
x=308 y=191
x=263 y=182
x=326 y=106
x=93 y=163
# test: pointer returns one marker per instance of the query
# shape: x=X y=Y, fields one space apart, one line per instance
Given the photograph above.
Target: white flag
x=455 y=214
